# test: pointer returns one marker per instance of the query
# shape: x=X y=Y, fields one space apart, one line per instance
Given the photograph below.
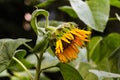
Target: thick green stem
x=38 y=68
x=23 y=66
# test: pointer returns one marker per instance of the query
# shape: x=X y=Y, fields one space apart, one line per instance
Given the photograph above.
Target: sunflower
x=68 y=38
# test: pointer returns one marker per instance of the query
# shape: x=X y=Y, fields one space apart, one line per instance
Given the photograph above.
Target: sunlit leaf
x=48 y=61
x=20 y=76
x=94 y=13
x=69 y=73
x=102 y=74
x=7 y=48
x=83 y=70
x=4 y=74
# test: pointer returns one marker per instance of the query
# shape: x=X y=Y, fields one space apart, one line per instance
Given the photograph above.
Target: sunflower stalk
x=38 y=68
x=40 y=47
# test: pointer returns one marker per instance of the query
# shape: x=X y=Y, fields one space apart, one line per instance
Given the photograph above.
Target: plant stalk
x=47 y=68
x=38 y=68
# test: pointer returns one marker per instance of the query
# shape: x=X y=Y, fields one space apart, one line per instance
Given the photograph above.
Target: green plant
x=98 y=59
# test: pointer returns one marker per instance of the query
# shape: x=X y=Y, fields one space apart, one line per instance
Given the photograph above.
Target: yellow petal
x=70 y=53
x=64 y=39
x=74 y=54
x=57 y=51
x=75 y=48
x=57 y=44
x=83 y=32
x=69 y=36
x=67 y=54
x=61 y=47
x=77 y=34
x=62 y=58
x=79 y=43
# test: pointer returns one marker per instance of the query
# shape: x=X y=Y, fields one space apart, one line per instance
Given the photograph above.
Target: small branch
x=23 y=66
x=112 y=19
x=28 y=46
x=47 y=68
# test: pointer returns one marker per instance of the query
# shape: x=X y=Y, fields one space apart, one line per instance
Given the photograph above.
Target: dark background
x=12 y=18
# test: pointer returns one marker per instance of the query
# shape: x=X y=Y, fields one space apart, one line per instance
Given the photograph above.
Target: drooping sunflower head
x=67 y=39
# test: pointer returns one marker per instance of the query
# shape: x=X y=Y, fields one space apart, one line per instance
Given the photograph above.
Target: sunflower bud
x=67 y=38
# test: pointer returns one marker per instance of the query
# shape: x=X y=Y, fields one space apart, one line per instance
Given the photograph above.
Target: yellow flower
x=69 y=37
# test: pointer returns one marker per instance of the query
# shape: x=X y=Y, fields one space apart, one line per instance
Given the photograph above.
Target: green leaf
x=69 y=11
x=49 y=61
x=68 y=72
x=8 y=47
x=14 y=66
x=115 y=3
x=19 y=54
x=24 y=76
x=94 y=13
x=93 y=44
x=105 y=48
x=103 y=74
x=112 y=41
x=114 y=60
x=44 y=4
x=20 y=76
x=84 y=70
x=4 y=73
